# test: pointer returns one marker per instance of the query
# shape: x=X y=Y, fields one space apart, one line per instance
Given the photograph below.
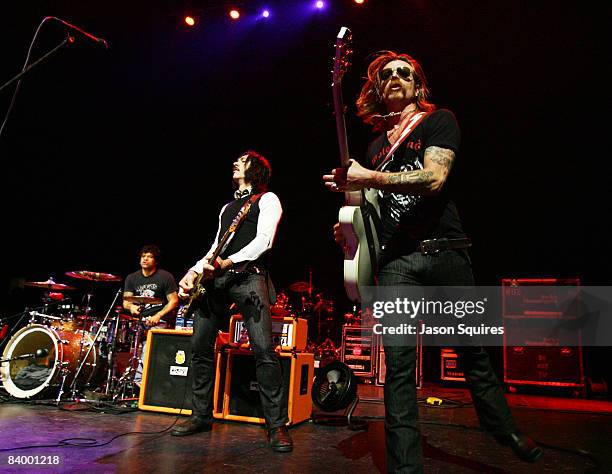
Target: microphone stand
x=95 y=339
x=67 y=41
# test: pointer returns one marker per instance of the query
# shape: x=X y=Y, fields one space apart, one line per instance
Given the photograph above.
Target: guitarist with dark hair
x=235 y=271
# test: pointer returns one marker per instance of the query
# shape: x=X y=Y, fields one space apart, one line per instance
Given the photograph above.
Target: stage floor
x=452 y=442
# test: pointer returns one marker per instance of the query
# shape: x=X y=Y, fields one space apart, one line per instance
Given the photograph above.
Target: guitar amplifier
x=166 y=377
x=236 y=394
x=540 y=347
x=450 y=366
x=289 y=333
x=381 y=366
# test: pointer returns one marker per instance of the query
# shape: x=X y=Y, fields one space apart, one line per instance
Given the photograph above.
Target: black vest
x=246 y=231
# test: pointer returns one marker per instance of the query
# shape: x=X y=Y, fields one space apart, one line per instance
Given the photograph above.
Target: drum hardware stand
x=127 y=378
x=112 y=354
x=82 y=342
x=61 y=388
x=95 y=339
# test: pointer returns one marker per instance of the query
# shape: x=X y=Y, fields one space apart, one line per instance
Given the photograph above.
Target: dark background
x=108 y=150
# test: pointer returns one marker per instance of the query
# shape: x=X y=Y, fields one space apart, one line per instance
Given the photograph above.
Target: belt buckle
x=429 y=246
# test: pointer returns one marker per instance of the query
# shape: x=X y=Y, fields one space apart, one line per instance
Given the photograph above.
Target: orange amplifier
x=236 y=395
x=289 y=333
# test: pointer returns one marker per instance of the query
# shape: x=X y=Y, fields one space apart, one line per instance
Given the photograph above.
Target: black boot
x=280 y=440
x=193 y=424
x=522 y=445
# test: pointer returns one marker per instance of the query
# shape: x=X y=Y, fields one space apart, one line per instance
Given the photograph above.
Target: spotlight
x=189 y=20
x=234 y=14
x=359 y=2
x=320 y=4
x=266 y=13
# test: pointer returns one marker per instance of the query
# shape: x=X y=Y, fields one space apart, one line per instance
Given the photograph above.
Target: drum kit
x=68 y=349
x=303 y=301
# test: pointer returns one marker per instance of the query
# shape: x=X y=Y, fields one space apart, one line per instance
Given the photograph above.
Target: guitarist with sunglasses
x=422 y=242
x=239 y=276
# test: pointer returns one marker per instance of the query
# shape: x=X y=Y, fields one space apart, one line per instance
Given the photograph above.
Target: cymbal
x=142 y=299
x=49 y=285
x=93 y=276
x=300 y=287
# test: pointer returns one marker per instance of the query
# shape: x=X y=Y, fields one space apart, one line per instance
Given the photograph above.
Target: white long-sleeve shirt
x=270 y=212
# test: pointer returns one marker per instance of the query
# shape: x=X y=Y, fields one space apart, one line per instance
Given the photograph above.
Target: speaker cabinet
x=236 y=394
x=166 y=377
x=541 y=345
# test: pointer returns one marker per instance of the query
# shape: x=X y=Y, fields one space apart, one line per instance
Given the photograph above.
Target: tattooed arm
x=430 y=180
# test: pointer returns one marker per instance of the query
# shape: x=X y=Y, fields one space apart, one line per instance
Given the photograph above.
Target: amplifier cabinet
x=541 y=346
x=381 y=367
x=291 y=334
x=166 y=377
x=236 y=394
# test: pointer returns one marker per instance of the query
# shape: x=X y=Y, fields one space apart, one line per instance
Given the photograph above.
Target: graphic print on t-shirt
x=396 y=205
x=148 y=290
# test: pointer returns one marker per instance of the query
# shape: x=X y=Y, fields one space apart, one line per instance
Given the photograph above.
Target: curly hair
x=258 y=173
x=153 y=250
x=370 y=103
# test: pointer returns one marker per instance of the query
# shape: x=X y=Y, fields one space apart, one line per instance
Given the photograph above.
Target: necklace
x=395 y=114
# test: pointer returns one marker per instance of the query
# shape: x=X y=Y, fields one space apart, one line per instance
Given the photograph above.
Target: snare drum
x=25 y=378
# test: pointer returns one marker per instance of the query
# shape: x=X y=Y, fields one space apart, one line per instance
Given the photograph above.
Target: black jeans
x=403 y=442
x=250 y=294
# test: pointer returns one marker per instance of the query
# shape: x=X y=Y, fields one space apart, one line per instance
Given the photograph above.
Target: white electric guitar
x=360 y=217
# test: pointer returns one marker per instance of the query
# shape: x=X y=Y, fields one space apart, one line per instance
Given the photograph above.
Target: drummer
x=153 y=282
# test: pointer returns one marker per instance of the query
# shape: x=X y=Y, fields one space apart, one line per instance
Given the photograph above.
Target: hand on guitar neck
x=187 y=282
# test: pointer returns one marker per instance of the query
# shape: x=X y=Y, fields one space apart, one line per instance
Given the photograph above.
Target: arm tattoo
x=440 y=156
x=408 y=182
x=425 y=181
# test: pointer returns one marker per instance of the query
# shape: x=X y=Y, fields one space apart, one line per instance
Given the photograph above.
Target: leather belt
x=435 y=246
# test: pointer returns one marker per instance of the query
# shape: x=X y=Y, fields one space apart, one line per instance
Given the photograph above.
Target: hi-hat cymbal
x=142 y=299
x=93 y=276
x=49 y=285
x=300 y=287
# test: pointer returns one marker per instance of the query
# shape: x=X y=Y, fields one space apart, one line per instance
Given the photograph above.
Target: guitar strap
x=367 y=210
x=249 y=202
x=408 y=129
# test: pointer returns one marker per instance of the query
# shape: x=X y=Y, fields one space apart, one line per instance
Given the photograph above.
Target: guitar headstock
x=342 y=58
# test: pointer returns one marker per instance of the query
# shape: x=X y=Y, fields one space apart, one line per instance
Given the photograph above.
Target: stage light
x=189 y=20
x=320 y=4
x=266 y=14
x=359 y=2
x=234 y=14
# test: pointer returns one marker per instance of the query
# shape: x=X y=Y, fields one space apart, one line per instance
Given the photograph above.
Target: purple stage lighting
x=266 y=14
x=320 y=4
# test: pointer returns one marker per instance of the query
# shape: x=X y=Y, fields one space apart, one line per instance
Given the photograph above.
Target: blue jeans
x=403 y=441
x=250 y=294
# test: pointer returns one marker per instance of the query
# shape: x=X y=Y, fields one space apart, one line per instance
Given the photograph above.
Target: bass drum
x=25 y=378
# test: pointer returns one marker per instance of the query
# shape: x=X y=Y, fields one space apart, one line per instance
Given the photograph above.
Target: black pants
x=403 y=442
x=250 y=294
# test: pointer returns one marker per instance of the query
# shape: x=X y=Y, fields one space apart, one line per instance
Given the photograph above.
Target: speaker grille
x=165 y=385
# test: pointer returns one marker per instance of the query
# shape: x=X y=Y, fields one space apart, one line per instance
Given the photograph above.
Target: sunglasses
x=403 y=72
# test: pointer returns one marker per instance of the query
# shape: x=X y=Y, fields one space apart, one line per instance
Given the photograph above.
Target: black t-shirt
x=408 y=219
x=158 y=285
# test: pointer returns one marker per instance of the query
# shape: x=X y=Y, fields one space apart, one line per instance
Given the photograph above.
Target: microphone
x=39 y=354
x=99 y=41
